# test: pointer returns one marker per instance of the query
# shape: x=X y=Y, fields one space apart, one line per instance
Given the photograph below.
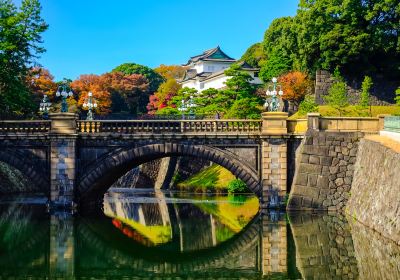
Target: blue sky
x=94 y=36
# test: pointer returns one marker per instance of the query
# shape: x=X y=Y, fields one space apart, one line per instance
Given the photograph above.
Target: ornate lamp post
x=183 y=108
x=273 y=92
x=45 y=106
x=64 y=91
x=187 y=105
x=90 y=104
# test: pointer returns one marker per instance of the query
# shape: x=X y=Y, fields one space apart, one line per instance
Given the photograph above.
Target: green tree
x=20 y=39
x=366 y=92
x=337 y=96
x=254 y=55
x=239 y=81
x=245 y=108
x=276 y=65
x=397 y=98
x=357 y=36
x=308 y=105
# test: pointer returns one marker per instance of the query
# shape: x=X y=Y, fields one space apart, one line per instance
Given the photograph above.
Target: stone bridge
x=74 y=161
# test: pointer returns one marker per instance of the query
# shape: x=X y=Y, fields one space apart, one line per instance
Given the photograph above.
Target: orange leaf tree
x=170 y=71
x=98 y=86
x=41 y=82
x=128 y=87
x=131 y=88
x=295 y=86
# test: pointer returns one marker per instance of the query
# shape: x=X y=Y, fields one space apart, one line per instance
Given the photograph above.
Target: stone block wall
x=382 y=92
x=375 y=193
x=325 y=170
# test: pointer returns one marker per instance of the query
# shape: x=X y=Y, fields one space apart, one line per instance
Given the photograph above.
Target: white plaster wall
x=191 y=84
x=218 y=66
x=216 y=83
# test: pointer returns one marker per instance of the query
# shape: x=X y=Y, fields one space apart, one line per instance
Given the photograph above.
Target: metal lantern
x=44 y=107
x=274 y=94
x=64 y=91
x=90 y=104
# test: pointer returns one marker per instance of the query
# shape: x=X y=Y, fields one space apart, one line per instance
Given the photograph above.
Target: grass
x=353 y=111
x=234 y=216
x=214 y=177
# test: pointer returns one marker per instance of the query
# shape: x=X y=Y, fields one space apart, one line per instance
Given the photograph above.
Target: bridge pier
x=274 y=159
x=63 y=138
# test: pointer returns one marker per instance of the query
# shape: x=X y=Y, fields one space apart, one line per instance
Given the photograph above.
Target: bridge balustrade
x=171 y=126
x=22 y=126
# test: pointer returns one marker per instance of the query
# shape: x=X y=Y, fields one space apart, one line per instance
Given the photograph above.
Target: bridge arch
x=28 y=167
x=95 y=182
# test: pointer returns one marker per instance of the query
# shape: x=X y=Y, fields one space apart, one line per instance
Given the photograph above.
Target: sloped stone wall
x=325 y=170
x=375 y=193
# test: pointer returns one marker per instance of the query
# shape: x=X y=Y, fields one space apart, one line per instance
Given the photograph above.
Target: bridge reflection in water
x=159 y=235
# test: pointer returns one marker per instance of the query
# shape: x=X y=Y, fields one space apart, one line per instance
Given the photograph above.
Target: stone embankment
x=325 y=170
x=375 y=192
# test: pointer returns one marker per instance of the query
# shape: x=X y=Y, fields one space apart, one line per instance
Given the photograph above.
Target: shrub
x=308 y=105
x=365 y=92
x=337 y=96
x=397 y=98
x=237 y=186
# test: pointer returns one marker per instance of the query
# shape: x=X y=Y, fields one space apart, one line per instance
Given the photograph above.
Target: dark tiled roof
x=215 y=54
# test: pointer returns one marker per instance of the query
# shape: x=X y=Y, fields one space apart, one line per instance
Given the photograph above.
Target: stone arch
x=95 y=182
x=27 y=167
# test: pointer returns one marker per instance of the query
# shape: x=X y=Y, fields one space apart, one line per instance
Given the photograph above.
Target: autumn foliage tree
x=163 y=96
x=128 y=87
x=41 y=82
x=170 y=71
x=295 y=86
x=98 y=86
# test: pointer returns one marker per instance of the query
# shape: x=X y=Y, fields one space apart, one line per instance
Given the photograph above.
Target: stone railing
x=26 y=127
x=344 y=124
x=392 y=124
x=298 y=126
x=171 y=126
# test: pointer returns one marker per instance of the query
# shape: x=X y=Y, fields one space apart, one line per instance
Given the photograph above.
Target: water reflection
x=163 y=235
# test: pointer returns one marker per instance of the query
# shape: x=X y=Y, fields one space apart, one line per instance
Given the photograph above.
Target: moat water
x=147 y=234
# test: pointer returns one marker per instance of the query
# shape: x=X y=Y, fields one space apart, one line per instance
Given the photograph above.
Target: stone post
x=313 y=121
x=381 y=118
x=274 y=159
x=274 y=123
x=63 y=137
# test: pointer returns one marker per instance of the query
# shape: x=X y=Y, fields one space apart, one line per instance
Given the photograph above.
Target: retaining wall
x=375 y=193
x=325 y=170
